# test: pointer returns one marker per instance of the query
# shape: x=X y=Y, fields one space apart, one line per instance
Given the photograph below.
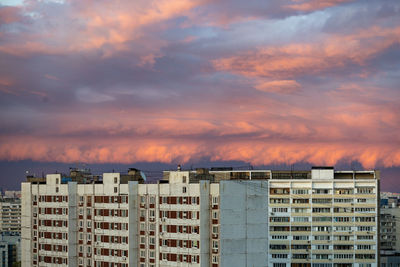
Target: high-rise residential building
x=390 y=235
x=10 y=249
x=216 y=217
x=10 y=214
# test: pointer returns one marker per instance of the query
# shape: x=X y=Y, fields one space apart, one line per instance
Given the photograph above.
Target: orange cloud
x=102 y=25
x=336 y=51
x=312 y=5
x=183 y=151
x=278 y=86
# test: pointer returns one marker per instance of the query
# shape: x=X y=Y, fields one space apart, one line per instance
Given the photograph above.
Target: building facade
x=10 y=214
x=217 y=217
x=390 y=236
x=10 y=249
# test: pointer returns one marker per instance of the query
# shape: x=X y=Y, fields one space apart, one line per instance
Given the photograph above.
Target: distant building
x=10 y=214
x=12 y=194
x=217 y=217
x=10 y=248
x=390 y=236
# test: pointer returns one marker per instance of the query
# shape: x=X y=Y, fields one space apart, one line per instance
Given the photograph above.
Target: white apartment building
x=217 y=217
x=10 y=215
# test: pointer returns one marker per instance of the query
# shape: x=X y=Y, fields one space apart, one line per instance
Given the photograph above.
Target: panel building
x=216 y=217
x=10 y=214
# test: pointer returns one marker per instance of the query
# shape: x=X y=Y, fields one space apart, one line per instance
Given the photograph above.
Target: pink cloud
x=335 y=51
x=167 y=151
x=313 y=5
x=9 y=14
x=278 y=86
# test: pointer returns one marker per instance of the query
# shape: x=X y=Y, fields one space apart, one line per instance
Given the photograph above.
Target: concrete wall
x=243 y=223
x=72 y=224
x=26 y=225
x=133 y=223
x=204 y=223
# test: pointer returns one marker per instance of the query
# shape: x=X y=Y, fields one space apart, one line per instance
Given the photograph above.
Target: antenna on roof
x=352 y=166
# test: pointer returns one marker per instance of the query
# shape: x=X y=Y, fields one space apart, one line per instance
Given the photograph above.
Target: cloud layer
x=182 y=80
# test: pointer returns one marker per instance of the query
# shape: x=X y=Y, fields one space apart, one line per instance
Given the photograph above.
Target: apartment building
x=10 y=249
x=216 y=217
x=328 y=220
x=10 y=214
x=389 y=236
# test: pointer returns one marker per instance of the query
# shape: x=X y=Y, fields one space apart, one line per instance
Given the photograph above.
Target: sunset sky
x=157 y=83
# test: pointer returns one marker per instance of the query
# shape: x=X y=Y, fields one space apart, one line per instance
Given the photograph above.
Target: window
x=184 y=180
x=215 y=214
x=142 y=240
x=322 y=191
x=215 y=229
x=152 y=213
x=115 y=189
x=319 y=247
x=322 y=237
x=300 y=219
x=184 y=189
x=279 y=201
x=115 y=180
x=215 y=200
x=194 y=259
x=279 y=256
x=365 y=190
x=152 y=241
x=365 y=228
x=322 y=200
x=214 y=259
x=279 y=219
x=142 y=213
x=279 y=209
x=282 y=237
x=215 y=244
x=164 y=214
x=299 y=191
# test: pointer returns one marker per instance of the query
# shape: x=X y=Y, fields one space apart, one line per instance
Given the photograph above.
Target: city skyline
x=196 y=82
